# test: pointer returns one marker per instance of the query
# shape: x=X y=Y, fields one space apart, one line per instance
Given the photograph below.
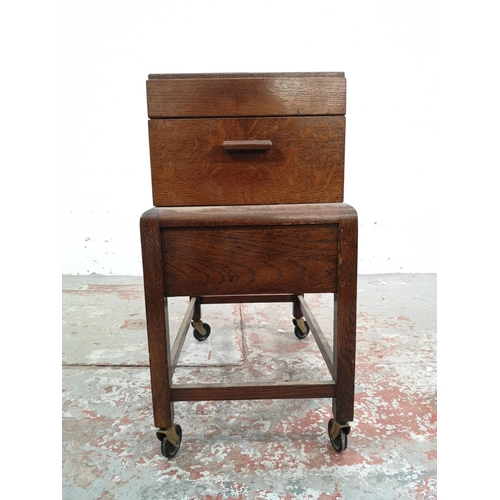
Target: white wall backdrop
x=386 y=48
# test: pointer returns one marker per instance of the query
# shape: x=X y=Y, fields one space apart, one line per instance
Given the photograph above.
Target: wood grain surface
x=250 y=260
x=251 y=215
x=221 y=392
x=161 y=369
x=290 y=94
x=346 y=300
x=189 y=165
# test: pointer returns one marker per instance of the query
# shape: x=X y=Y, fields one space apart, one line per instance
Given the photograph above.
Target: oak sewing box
x=248 y=185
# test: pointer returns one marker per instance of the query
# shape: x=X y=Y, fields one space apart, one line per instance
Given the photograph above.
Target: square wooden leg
x=345 y=321
x=157 y=323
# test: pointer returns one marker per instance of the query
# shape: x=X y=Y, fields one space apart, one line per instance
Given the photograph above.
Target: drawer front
x=194 y=163
x=250 y=260
x=288 y=94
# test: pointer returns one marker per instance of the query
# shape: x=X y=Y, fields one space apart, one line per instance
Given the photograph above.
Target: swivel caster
x=338 y=435
x=301 y=328
x=171 y=439
x=201 y=330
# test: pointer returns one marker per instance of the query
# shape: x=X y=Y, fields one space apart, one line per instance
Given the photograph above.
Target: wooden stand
x=248 y=210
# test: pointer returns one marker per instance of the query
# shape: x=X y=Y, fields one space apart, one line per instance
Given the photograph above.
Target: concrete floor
x=250 y=449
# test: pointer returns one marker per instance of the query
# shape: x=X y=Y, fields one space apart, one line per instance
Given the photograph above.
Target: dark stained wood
x=297 y=309
x=335 y=332
x=157 y=321
x=189 y=165
x=250 y=260
x=252 y=215
x=245 y=299
x=197 y=309
x=343 y=407
x=258 y=95
x=247 y=145
x=269 y=390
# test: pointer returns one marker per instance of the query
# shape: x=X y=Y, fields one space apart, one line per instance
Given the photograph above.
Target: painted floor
x=262 y=450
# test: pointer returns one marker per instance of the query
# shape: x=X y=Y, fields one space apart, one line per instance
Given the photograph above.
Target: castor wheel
x=201 y=331
x=338 y=435
x=301 y=328
x=170 y=440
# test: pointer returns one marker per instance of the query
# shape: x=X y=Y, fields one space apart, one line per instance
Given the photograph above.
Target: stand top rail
x=251 y=215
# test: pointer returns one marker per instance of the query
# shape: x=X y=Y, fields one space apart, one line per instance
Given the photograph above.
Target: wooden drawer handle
x=247 y=145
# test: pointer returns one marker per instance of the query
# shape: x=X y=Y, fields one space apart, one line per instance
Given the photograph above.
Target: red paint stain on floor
x=334 y=496
x=134 y=324
x=124 y=292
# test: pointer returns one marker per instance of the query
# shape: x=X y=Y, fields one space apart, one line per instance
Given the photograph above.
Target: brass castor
x=301 y=328
x=201 y=330
x=338 y=435
x=171 y=439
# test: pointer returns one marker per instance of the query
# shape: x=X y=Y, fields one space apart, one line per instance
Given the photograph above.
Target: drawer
x=302 y=160
x=250 y=260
